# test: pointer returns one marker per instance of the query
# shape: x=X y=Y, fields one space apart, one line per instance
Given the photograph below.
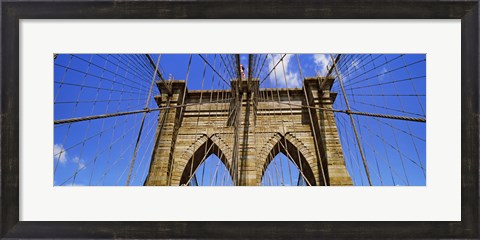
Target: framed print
x=306 y=119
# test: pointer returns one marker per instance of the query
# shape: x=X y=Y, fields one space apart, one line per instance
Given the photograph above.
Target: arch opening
x=282 y=171
x=208 y=160
x=284 y=154
x=212 y=172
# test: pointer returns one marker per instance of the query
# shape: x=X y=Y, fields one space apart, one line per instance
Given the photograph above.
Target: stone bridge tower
x=247 y=131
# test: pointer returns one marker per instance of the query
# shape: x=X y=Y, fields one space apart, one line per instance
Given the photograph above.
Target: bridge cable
x=353 y=123
x=132 y=162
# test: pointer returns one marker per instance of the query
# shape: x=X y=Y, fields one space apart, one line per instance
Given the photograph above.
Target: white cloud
x=278 y=76
x=382 y=73
x=352 y=67
x=354 y=64
x=321 y=63
x=59 y=153
x=80 y=162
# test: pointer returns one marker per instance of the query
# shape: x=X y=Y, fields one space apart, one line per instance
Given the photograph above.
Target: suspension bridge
x=239 y=119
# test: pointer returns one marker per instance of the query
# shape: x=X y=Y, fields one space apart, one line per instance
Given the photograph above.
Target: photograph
x=222 y=119
x=240 y=119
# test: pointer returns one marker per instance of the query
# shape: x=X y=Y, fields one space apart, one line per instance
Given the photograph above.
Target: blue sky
x=99 y=152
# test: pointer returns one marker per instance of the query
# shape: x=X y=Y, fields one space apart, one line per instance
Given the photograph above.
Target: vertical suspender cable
x=353 y=122
x=132 y=162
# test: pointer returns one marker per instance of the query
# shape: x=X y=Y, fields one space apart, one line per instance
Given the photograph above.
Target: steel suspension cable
x=353 y=123
x=142 y=123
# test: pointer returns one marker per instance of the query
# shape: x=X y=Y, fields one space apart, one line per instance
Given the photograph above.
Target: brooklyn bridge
x=239 y=120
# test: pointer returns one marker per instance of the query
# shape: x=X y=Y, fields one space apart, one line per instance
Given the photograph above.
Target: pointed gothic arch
x=200 y=150
x=296 y=152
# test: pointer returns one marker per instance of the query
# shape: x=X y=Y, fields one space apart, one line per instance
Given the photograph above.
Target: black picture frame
x=13 y=11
